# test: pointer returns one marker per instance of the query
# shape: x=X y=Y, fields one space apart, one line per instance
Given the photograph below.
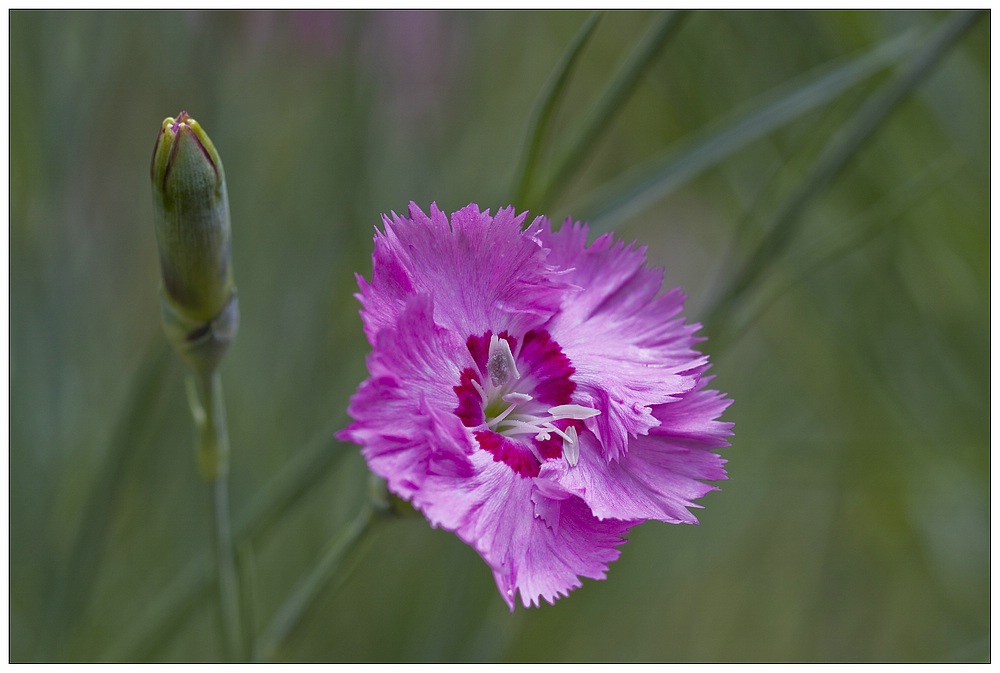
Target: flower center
x=522 y=415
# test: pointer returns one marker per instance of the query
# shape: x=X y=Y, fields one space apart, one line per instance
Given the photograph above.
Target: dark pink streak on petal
x=505 y=450
x=479 y=347
x=470 y=402
x=544 y=359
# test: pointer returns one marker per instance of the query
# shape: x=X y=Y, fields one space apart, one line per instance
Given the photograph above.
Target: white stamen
x=571 y=447
x=502 y=415
x=524 y=415
x=500 y=363
x=479 y=388
x=561 y=433
x=544 y=428
x=519 y=427
x=574 y=411
x=541 y=428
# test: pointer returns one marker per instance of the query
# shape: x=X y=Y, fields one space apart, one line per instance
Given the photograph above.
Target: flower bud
x=191 y=215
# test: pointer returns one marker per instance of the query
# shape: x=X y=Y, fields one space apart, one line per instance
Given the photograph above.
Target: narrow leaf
x=837 y=155
x=190 y=587
x=307 y=591
x=847 y=239
x=612 y=100
x=548 y=102
x=627 y=196
x=73 y=589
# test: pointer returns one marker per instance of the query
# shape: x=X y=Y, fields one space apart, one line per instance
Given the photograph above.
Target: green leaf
x=852 y=236
x=307 y=591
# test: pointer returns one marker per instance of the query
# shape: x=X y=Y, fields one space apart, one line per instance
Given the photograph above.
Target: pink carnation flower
x=535 y=395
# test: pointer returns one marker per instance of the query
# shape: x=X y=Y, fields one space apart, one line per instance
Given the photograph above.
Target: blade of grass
x=835 y=157
x=307 y=591
x=855 y=235
x=191 y=586
x=612 y=100
x=73 y=588
x=627 y=196
x=547 y=102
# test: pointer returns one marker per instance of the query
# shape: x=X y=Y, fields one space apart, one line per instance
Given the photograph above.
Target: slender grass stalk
x=169 y=612
x=626 y=196
x=834 y=158
x=73 y=588
x=545 y=107
x=307 y=591
x=610 y=103
x=209 y=413
x=854 y=236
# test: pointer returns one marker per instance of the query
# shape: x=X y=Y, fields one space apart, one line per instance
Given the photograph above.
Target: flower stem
x=209 y=413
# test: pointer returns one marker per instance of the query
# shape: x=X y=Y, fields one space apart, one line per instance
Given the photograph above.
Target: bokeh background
x=855 y=525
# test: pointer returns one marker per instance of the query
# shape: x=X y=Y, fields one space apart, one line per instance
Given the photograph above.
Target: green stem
x=209 y=412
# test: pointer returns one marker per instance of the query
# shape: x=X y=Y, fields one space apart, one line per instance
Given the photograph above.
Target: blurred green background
x=855 y=525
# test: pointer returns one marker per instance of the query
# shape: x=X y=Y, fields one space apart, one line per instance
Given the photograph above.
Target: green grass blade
x=612 y=100
x=853 y=236
x=309 y=587
x=191 y=586
x=836 y=156
x=546 y=106
x=72 y=590
x=629 y=195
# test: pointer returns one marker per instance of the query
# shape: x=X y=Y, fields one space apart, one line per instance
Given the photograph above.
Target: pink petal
x=630 y=348
x=403 y=414
x=500 y=514
x=590 y=328
x=483 y=271
x=695 y=417
x=662 y=474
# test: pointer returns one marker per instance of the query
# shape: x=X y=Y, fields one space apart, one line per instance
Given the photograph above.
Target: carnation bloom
x=533 y=394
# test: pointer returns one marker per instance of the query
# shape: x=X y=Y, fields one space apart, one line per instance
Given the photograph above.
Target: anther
x=500 y=363
x=571 y=447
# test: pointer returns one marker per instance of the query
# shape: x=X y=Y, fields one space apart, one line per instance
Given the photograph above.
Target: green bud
x=191 y=214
